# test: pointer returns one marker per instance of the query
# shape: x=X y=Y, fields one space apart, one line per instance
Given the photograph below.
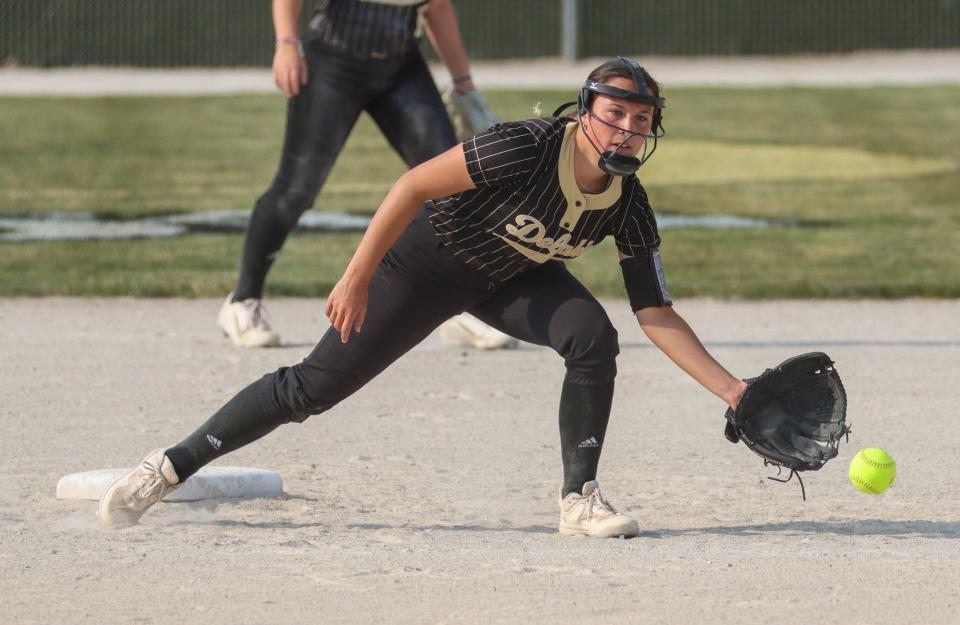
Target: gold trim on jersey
x=577 y=201
x=529 y=230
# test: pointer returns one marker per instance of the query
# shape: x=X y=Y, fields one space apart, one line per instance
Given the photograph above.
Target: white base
x=207 y=483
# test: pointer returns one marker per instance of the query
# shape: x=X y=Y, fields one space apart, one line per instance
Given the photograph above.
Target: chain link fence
x=177 y=33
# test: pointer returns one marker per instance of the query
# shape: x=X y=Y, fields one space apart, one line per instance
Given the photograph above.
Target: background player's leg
x=548 y=306
x=319 y=119
x=411 y=115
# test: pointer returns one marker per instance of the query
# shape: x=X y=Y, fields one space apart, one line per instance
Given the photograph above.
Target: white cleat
x=589 y=514
x=246 y=323
x=468 y=331
x=129 y=497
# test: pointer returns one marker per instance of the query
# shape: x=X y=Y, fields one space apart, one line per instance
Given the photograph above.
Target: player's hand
x=347 y=306
x=736 y=393
x=289 y=69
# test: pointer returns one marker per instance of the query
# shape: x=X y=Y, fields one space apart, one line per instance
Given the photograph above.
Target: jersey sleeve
x=635 y=229
x=506 y=154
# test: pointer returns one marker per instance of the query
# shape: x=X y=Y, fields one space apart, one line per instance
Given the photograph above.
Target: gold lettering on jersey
x=529 y=230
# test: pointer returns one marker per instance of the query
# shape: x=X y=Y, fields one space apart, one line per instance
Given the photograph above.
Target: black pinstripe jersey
x=378 y=29
x=527 y=208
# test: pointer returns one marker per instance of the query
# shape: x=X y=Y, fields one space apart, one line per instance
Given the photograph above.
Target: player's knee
x=282 y=206
x=290 y=397
x=591 y=354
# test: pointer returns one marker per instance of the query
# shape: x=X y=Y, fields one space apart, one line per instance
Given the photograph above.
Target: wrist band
x=464 y=78
x=282 y=41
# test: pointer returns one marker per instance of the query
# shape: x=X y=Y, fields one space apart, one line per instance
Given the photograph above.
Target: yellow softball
x=872 y=470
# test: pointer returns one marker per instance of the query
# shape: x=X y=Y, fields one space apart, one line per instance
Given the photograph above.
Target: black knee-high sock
x=584 y=412
x=265 y=235
x=241 y=421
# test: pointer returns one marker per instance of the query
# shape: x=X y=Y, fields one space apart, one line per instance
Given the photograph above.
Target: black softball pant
x=400 y=96
x=418 y=285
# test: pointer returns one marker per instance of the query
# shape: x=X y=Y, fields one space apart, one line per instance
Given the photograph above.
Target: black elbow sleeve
x=644 y=280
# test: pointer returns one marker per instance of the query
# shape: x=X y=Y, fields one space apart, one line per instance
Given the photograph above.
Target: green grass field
x=867 y=178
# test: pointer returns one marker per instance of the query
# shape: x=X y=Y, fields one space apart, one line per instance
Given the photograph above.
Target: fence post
x=569 y=35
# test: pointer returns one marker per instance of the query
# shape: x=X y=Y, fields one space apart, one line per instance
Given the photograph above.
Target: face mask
x=612 y=161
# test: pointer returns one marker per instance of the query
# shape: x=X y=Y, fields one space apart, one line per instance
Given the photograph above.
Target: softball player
x=362 y=55
x=509 y=207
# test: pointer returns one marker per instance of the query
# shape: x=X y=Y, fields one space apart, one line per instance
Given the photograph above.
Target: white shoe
x=589 y=514
x=246 y=323
x=129 y=497
x=468 y=331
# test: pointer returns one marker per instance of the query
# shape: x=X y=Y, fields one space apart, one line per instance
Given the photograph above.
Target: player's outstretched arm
x=441 y=176
x=675 y=338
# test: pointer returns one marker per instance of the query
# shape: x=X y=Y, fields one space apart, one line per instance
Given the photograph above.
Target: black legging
x=419 y=285
x=400 y=96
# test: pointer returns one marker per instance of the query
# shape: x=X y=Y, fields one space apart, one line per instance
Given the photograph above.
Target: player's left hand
x=347 y=306
x=734 y=401
x=469 y=112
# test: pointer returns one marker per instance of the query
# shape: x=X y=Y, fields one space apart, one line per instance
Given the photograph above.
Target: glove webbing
x=794 y=472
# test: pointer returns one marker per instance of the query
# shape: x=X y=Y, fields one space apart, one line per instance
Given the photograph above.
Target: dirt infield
x=429 y=497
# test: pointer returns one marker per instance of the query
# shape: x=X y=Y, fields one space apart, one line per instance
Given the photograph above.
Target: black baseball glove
x=793 y=415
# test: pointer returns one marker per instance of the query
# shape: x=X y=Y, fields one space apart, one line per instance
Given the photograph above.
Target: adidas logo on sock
x=214 y=441
x=590 y=442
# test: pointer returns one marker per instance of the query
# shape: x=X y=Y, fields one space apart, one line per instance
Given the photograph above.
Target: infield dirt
x=430 y=496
